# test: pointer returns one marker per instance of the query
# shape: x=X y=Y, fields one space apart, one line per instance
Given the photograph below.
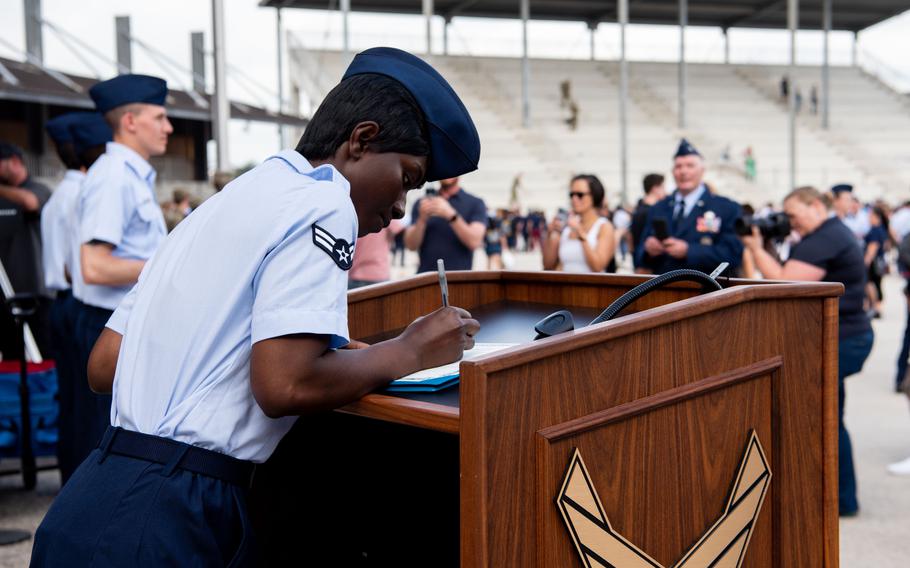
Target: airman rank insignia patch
x=339 y=250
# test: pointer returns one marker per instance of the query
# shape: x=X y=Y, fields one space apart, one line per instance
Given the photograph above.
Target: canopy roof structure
x=21 y=81
x=848 y=15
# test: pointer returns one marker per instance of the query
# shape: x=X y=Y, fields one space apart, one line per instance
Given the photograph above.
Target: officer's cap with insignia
x=89 y=130
x=685 y=149
x=454 y=143
x=128 y=89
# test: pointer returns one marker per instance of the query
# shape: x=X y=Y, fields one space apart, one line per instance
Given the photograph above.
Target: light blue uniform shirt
x=56 y=232
x=250 y=264
x=117 y=206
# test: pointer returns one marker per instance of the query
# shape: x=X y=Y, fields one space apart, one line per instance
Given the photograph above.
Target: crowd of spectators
x=833 y=237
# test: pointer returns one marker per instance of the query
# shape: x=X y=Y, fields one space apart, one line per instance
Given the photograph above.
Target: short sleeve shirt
x=56 y=233
x=20 y=241
x=440 y=240
x=834 y=248
x=117 y=205
x=265 y=257
x=877 y=234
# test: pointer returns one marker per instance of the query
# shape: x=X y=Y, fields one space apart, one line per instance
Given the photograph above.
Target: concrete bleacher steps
x=729 y=108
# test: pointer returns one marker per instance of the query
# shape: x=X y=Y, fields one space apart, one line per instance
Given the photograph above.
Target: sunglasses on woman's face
x=577 y=194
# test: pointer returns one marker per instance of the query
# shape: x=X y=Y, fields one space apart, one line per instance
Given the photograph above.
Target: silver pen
x=443 y=283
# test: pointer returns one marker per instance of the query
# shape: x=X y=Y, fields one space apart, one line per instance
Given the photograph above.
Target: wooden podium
x=696 y=430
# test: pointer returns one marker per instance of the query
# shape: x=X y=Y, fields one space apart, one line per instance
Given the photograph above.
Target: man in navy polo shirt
x=447 y=226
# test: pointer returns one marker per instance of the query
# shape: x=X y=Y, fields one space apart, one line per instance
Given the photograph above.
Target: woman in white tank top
x=585 y=241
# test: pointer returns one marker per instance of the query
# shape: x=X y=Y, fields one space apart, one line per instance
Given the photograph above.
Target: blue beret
x=841 y=187
x=58 y=128
x=454 y=143
x=89 y=130
x=127 y=89
x=685 y=149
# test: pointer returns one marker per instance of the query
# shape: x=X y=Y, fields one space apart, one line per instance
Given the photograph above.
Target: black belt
x=176 y=455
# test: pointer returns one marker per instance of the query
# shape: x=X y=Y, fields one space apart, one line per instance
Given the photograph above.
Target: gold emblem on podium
x=722 y=546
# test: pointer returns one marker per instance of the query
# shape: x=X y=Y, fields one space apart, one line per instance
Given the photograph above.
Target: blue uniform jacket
x=710 y=243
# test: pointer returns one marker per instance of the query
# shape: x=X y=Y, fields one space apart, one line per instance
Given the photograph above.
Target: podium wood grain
x=660 y=403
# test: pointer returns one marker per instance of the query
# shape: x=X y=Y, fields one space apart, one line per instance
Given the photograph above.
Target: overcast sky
x=251 y=44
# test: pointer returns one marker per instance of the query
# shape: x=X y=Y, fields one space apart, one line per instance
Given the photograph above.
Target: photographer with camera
x=828 y=252
x=583 y=241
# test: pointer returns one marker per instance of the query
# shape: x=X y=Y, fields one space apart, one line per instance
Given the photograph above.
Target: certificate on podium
x=438 y=378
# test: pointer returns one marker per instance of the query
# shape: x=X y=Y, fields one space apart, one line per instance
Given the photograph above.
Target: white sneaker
x=900 y=468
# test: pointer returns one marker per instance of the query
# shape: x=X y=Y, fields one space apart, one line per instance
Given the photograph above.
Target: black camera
x=431 y=192
x=774 y=227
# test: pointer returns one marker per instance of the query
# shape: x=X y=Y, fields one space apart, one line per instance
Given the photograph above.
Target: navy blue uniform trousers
x=91 y=412
x=66 y=357
x=125 y=512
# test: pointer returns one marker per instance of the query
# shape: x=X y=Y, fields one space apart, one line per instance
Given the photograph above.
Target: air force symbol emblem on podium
x=722 y=546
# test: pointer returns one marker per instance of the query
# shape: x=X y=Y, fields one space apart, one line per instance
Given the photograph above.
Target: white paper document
x=451 y=370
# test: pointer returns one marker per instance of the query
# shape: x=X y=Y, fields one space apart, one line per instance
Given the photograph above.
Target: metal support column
x=345 y=6
x=726 y=46
x=826 y=71
x=197 y=58
x=428 y=16
x=854 y=49
x=683 y=22
x=525 y=65
x=592 y=31
x=279 y=32
x=793 y=25
x=221 y=109
x=124 y=41
x=34 y=39
x=623 y=96
x=445 y=35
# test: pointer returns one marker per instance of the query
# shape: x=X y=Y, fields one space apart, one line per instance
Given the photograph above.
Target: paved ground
x=877 y=418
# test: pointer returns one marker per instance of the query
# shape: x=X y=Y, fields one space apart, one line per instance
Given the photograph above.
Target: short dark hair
x=67 y=154
x=362 y=98
x=90 y=154
x=8 y=150
x=651 y=181
x=598 y=193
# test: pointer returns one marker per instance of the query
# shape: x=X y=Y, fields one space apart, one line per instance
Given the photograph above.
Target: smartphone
x=661 y=229
x=562 y=215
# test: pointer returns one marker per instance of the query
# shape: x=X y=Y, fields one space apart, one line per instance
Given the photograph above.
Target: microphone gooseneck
x=708 y=283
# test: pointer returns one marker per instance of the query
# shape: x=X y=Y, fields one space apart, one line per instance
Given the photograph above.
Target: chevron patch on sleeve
x=339 y=250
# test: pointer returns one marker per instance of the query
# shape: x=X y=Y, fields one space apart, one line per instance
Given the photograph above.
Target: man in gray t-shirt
x=21 y=201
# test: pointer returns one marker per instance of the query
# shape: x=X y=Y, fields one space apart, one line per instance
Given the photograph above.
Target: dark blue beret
x=89 y=130
x=841 y=187
x=58 y=128
x=685 y=149
x=454 y=143
x=127 y=89
x=8 y=150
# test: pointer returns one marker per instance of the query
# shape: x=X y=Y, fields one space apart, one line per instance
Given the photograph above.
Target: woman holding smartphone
x=582 y=241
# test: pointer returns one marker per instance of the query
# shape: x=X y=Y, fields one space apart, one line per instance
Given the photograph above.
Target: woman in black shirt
x=828 y=251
